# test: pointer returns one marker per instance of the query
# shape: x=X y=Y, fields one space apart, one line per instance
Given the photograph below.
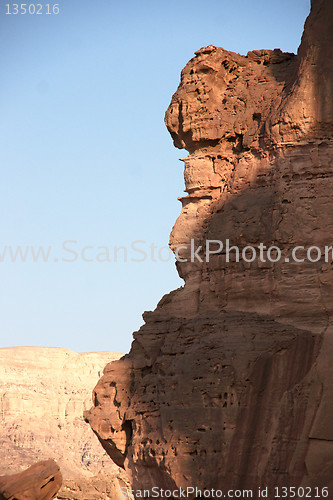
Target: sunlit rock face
x=228 y=383
x=41 y=481
x=43 y=394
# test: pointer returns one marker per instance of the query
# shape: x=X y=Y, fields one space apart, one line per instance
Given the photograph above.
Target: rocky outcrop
x=43 y=394
x=40 y=482
x=228 y=383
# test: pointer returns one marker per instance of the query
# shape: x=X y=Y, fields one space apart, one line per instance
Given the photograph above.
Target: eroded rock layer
x=228 y=383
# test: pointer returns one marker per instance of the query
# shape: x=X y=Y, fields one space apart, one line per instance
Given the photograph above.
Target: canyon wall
x=43 y=394
x=228 y=383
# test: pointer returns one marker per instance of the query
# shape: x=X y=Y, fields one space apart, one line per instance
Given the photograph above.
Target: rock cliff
x=228 y=383
x=43 y=394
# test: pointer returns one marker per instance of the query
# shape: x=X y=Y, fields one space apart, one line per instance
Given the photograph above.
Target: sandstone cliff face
x=228 y=383
x=43 y=393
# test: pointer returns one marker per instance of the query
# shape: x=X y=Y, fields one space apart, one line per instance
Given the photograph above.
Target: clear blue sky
x=85 y=155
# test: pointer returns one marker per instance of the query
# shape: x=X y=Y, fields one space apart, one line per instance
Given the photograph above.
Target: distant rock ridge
x=43 y=394
x=229 y=382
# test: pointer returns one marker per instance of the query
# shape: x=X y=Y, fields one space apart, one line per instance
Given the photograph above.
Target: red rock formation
x=40 y=482
x=228 y=383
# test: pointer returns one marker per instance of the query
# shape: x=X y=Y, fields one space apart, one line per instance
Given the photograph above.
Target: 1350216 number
x=300 y=492
x=32 y=8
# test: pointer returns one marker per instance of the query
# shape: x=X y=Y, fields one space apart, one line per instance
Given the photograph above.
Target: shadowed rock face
x=228 y=383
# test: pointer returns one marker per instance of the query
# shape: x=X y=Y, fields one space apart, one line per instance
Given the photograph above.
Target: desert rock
x=228 y=383
x=43 y=394
x=40 y=482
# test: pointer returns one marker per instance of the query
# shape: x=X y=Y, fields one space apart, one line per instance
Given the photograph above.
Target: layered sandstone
x=43 y=394
x=228 y=383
